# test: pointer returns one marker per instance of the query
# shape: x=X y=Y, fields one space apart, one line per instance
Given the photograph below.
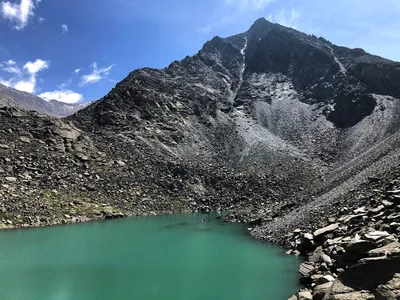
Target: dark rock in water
x=109 y=216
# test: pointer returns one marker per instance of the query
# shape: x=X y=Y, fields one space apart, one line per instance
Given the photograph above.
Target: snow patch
x=341 y=66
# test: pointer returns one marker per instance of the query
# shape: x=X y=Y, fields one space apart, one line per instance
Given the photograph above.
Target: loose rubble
x=357 y=256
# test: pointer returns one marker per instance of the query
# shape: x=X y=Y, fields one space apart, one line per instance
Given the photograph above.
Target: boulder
x=390 y=290
x=362 y=295
x=339 y=291
x=370 y=272
x=304 y=295
x=392 y=249
x=320 y=290
x=322 y=231
x=376 y=235
x=306 y=269
x=339 y=288
x=358 y=249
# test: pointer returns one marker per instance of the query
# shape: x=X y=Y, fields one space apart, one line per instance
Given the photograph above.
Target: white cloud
x=36 y=66
x=66 y=96
x=18 y=13
x=64 y=28
x=5 y=82
x=286 y=18
x=27 y=85
x=9 y=67
x=41 y=19
x=96 y=75
x=25 y=78
x=77 y=71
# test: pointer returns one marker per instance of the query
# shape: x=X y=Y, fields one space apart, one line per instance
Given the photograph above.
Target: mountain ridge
x=14 y=98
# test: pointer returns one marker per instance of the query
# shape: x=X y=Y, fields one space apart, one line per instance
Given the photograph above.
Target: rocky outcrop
x=357 y=256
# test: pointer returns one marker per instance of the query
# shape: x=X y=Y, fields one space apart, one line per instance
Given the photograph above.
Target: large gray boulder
x=390 y=290
x=370 y=272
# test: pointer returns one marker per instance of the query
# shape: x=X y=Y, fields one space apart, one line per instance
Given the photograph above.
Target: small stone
x=11 y=179
x=360 y=210
x=376 y=210
x=24 y=139
x=121 y=163
x=304 y=295
x=376 y=235
x=388 y=204
x=325 y=230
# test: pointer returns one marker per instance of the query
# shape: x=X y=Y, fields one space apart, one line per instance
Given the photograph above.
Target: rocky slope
x=281 y=128
x=14 y=98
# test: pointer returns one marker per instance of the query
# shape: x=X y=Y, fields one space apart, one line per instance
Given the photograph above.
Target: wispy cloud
x=96 y=75
x=248 y=4
x=64 y=28
x=10 y=67
x=288 y=18
x=25 y=78
x=66 y=96
x=65 y=84
x=77 y=71
x=18 y=14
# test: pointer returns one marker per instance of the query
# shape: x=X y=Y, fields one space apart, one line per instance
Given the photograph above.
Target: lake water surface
x=175 y=257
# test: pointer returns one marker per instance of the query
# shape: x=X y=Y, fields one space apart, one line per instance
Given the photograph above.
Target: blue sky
x=76 y=50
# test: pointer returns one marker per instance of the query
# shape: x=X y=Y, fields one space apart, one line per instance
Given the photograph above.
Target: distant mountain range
x=14 y=98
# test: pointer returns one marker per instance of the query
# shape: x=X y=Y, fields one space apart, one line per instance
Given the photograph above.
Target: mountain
x=269 y=120
x=15 y=98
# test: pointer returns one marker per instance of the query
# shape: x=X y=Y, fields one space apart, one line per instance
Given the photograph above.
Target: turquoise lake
x=176 y=257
